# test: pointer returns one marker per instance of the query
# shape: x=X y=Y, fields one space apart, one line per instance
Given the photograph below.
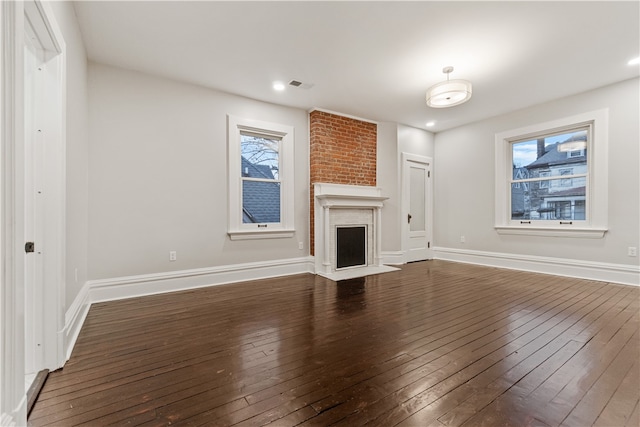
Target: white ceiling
x=373 y=60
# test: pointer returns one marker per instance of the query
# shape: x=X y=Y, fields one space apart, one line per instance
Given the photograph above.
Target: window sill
x=583 y=233
x=262 y=234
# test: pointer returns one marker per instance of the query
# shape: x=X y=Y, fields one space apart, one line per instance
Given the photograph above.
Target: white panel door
x=34 y=214
x=416 y=218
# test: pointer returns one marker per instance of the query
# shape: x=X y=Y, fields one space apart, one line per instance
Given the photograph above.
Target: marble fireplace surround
x=347 y=205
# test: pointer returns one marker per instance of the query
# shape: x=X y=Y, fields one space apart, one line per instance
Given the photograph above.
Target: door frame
x=14 y=16
x=405 y=158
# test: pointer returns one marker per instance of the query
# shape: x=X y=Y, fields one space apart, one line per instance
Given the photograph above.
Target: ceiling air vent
x=301 y=85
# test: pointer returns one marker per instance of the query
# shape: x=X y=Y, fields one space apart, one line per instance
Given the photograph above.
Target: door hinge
x=428 y=174
x=428 y=245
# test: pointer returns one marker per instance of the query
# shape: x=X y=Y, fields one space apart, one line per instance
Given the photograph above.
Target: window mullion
x=549 y=178
x=247 y=178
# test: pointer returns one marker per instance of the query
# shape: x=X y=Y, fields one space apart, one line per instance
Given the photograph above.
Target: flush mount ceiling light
x=449 y=93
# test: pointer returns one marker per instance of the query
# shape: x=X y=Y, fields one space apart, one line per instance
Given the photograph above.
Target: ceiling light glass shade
x=449 y=93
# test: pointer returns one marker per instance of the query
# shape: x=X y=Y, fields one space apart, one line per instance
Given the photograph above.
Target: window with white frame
x=563 y=165
x=260 y=161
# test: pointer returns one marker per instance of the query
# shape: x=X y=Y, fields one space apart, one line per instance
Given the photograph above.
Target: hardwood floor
x=434 y=344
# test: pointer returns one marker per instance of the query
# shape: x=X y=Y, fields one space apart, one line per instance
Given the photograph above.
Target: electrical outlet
x=300 y=245
x=462 y=239
x=632 y=251
x=173 y=255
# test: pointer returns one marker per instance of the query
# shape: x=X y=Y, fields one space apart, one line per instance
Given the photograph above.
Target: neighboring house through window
x=558 y=163
x=259 y=157
x=260 y=179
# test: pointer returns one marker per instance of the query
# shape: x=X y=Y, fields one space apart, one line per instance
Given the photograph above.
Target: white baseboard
x=74 y=318
x=157 y=283
x=392 y=257
x=151 y=284
x=606 y=272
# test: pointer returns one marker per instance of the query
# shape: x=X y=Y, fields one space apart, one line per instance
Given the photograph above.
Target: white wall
x=464 y=181
x=415 y=141
x=158 y=180
x=393 y=140
x=77 y=143
x=387 y=180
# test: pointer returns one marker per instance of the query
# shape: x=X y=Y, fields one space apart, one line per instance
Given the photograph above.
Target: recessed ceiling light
x=430 y=124
x=278 y=86
x=634 y=61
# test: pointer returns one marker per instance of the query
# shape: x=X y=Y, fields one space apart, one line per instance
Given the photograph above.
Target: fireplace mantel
x=351 y=201
x=340 y=205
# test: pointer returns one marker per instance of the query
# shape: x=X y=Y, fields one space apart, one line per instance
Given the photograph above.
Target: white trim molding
x=606 y=272
x=237 y=229
x=74 y=319
x=335 y=113
x=12 y=357
x=587 y=233
x=265 y=234
x=392 y=257
x=157 y=283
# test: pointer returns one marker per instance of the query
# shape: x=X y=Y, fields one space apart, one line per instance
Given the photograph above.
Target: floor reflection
x=351 y=295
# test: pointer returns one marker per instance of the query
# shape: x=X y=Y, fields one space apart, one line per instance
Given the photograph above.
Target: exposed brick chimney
x=541 y=150
x=342 y=150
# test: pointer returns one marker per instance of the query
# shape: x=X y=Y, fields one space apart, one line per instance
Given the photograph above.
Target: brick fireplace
x=342 y=150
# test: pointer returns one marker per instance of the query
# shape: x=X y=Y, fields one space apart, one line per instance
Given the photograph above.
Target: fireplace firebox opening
x=351 y=246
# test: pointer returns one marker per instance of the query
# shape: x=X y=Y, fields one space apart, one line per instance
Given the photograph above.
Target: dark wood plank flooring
x=434 y=344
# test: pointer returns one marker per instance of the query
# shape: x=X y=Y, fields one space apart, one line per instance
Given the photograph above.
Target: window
x=566 y=182
x=259 y=160
x=558 y=163
x=260 y=179
x=543 y=174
